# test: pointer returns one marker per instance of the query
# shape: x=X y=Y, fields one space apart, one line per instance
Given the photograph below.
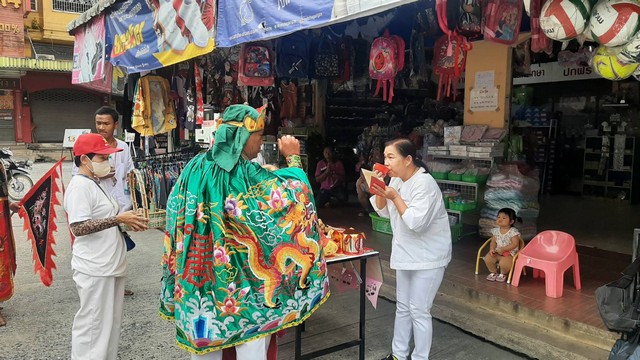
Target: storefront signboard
x=12 y=28
x=145 y=35
x=9 y=84
x=88 y=52
x=249 y=20
x=554 y=72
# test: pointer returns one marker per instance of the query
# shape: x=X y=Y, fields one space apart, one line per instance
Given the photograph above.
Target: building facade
x=37 y=99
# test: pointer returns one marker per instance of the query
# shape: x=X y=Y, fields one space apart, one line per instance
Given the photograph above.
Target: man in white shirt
x=121 y=162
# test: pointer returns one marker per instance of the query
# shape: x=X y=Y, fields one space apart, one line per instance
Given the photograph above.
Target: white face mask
x=101 y=169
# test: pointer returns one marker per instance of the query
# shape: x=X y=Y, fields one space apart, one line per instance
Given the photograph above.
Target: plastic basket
x=454 y=177
x=380 y=224
x=456 y=231
x=477 y=179
x=462 y=206
x=439 y=175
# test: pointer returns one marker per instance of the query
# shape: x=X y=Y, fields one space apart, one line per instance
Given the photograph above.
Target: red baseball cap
x=92 y=144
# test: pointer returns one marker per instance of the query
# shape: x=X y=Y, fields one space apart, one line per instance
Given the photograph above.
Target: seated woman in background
x=331 y=177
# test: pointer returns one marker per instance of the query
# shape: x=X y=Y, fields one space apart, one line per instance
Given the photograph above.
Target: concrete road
x=40 y=318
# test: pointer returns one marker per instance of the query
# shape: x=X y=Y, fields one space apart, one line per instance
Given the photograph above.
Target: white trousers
x=96 y=327
x=252 y=350
x=415 y=292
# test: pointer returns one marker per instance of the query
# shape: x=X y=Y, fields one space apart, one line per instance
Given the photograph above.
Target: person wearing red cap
x=99 y=251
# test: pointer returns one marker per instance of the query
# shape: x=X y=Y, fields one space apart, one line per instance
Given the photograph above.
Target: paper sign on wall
x=483 y=99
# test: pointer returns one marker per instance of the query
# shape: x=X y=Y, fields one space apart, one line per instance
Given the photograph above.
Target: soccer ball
x=564 y=19
x=630 y=53
x=614 y=22
x=607 y=65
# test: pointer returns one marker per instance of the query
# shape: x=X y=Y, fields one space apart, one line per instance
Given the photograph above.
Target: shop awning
x=35 y=64
x=94 y=11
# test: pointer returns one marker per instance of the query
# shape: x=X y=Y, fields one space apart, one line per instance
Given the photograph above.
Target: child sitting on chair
x=504 y=245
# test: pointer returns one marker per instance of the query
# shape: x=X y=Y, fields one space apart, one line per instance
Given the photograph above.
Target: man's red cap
x=92 y=144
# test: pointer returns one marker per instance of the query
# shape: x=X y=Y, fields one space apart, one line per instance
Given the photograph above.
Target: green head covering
x=238 y=122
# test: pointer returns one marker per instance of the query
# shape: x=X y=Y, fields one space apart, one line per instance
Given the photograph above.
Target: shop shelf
x=456 y=232
x=380 y=224
x=454 y=177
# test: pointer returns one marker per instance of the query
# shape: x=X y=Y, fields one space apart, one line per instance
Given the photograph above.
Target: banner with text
x=554 y=72
x=146 y=35
x=244 y=21
x=88 y=52
x=12 y=28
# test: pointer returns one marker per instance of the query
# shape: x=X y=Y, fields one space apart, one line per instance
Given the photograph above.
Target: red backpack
x=502 y=21
x=256 y=66
x=386 y=59
x=449 y=59
x=449 y=53
x=539 y=41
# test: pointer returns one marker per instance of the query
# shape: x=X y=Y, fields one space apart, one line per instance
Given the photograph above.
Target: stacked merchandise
x=512 y=186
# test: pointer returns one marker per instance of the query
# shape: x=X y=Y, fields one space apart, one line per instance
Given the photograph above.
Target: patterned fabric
x=7 y=242
x=503 y=240
x=241 y=254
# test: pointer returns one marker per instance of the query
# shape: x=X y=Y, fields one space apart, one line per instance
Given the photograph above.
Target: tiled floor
x=597 y=266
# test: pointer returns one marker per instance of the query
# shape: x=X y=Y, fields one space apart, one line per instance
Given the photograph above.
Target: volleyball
x=564 y=19
x=607 y=65
x=614 y=22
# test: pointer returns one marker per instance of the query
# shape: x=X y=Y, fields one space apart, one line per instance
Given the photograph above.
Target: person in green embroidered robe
x=242 y=258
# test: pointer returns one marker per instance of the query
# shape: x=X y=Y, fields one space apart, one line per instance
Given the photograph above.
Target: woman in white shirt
x=99 y=251
x=421 y=245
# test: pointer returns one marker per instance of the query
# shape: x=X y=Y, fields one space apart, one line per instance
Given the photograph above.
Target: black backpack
x=292 y=60
x=618 y=302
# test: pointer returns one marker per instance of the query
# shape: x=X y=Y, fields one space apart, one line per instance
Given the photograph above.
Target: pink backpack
x=256 y=66
x=502 y=21
x=386 y=59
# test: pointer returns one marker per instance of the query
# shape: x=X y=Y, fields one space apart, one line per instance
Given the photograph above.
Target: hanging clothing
x=153 y=110
x=289 y=107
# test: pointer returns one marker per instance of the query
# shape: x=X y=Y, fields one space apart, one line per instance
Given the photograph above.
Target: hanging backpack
x=502 y=21
x=345 y=58
x=293 y=56
x=326 y=59
x=469 y=23
x=361 y=50
x=256 y=65
x=539 y=41
x=449 y=58
x=386 y=59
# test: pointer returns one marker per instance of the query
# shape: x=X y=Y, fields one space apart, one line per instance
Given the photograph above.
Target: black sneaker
x=390 y=357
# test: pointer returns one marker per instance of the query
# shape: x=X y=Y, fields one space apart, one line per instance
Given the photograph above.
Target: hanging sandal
x=492 y=277
x=501 y=278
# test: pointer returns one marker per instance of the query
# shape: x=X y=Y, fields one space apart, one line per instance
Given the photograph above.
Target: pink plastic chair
x=552 y=252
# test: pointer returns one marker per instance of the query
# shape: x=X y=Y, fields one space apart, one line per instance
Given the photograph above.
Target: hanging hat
x=238 y=122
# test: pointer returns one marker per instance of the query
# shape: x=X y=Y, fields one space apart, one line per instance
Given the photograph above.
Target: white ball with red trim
x=564 y=19
x=614 y=22
x=609 y=66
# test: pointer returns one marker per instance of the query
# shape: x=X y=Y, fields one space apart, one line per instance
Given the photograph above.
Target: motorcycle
x=18 y=175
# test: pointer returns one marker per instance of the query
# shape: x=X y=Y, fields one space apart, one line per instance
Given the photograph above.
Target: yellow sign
x=16 y=3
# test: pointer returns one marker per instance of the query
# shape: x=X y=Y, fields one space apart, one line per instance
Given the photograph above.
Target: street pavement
x=39 y=318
